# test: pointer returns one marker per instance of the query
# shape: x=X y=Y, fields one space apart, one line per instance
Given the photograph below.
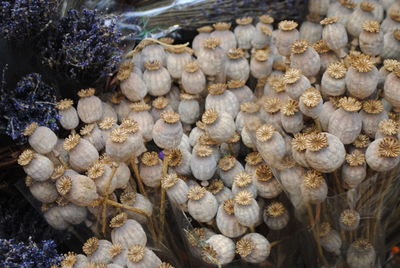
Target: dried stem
x=163 y=197
x=118 y=205
x=104 y=207
x=137 y=175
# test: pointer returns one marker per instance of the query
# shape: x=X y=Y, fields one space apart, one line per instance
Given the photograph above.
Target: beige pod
x=270 y=144
x=153 y=52
x=346 y=123
x=246 y=209
x=236 y=65
x=361 y=253
x=100 y=173
x=185 y=143
x=349 y=220
x=226 y=37
x=248 y=109
x=261 y=64
x=354 y=170
x=335 y=35
x=328 y=108
x=137 y=200
x=72 y=213
x=242 y=92
x=93 y=134
x=82 y=153
x=311 y=29
x=387 y=128
x=156 y=78
x=262 y=37
x=228 y=169
x=299 y=146
x=270 y=111
x=193 y=79
x=106 y=126
x=333 y=81
x=266 y=185
x=122 y=108
x=176 y=189
x=383 y=154
x=54 y=218
x=291 y=117
x=177 y=58
x=173 y=97
x=371 y=115
x=265 y=20
x=244 y=32
x=253 y=248
x=326 y=55
x=219 y=190
x=68 y=115
x=139 y=256
x=222 y=100
x=37 y=166
x=159 y=105
x=189 y=108
x=342 y=10
x=127 y=232
x=391 y=88
x=44 y=191
x=244 y=181
x=314 y=189
x=78 y=189
x=109 y=112
x=150 y=169
x=203 y=33
x=310 y=102
x=329 y=238
x=121 y=146
x=132 y=86
x=296 y=83
x=285 y=37
x=305 y=58
x=122 y=175
x=361 y=13
x=371 y=38
x=202 y=205
x=388 y=66
x=168 y=131
x=140 y=113
x=220 y=126
x=392 y=21
x=118 y=254
x=276 y=216
x=179 y=161
x=90 y=107
x=226 y=221
x=219 y=250
x=291 y=178
x=211 y=58
x=41 y=139
x=97 y=250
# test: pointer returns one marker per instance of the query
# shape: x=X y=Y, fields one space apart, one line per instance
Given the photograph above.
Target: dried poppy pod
x=299 y=146
x=175 y=188
x=392 y=20
x=157 y=78
x=211 y=58
x=74 y=260
x=361 y=14
x=383 y=154
x=193 y=79
x=371 y=115
x=266 y=185
x=131 y=83
x=222 y=100
x=246 y=209
x=330 y=239
x=244 y=32
x=270 y=111
x=226 y=221
x=44 y=191
x=150 y=169
x=388 y=66
x=177 y=58
x=371 y=38
x=262 y=37
x=248 y=110
x=314 y=189
x=159 y=105
x=244 y=181
x=41 y=139
x=349 y=220
x=153 y=52
x=276 y=216
x=224 y=35
x=311 y=29
x=363 y=70
x=291 y=117
x=179 y=161
x=219 y=190
x=285 y=37
x=121 y=146
x=127 y=232
x=140 y=113
x=219 y=250
x=270 y=144
x=310 y=102
x=203 y=33
x=219 y=125
x=333 y=81
x=325 y=152
x=72 y=213
x=265 y=20
x=228 y=169
x=138 y=201
x=68 y=115
x=140 y=256
x=387 y=128
x=391 y=86
x=326 y=55
x=168 y=131
x=93 y=134
x=198 y=199
x=189 y=108
x=261 y=64
x=106 y=126
x=242 y=92
x=354 y=170
x=100 y=173
x=291 y=177
x=122 y=108
x=305 y=58
x=109 y=112
x=90 y=107
x=342 y=10
x=53 y=217
x=81 y=152
x=203 y=163
x=253 y=248
x=236 y=65
x=335 y=35
x=296 y=83
x=36 y=166
x=119 y=255
x=346 y=123
x=77 y=189
x=361 y=253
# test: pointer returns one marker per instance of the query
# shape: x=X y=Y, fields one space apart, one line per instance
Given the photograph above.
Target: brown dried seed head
x=371 y=26
x=169 y=180
x=329 y=20
x=63 y=185
x=191 y=67
x=244 y=20
x=244 y=247
x=272 y=105
x=363 y=64
x=178 y=50
x=222 y=26
x=266 y=30
x=396 y=71
x=394 y=14
x=166 y=40
x=235 y=53
x=299 y=142
x=215 y=186
x=107 y=123
x=61 y=201
x=290 y=107
x=165 y=265
x=187 y=96
x=389 y=147
x=216 y=89
x=209 y=116
x=321 y=47
x=275 y=209
x=362 y=244
x=86 y=92
x=324 y=229
x=249 y=107
x=292 y=75
x=266 y=19
x=129 y=125
x=87 y=129
x=136 y=253
x=115 y=250
x=254 y=158
x=30 y=129
x=389 y=127
x=64 y=104
x=337 y=70
x=317 y=141
x=265 y=132
x=264 y=173
x=95 y=265
x=396 y=34
x=96 y=170
x=117 y=97
x=362 y=141
x=124 y=70
x=348 y=4
x=71 y=142
x=118 y=135
x=228 y=206
x=227 y=162
x=150 y=159
x=203 y=150
x=235 y=138
x=356 y=158
x=128 y=197
x=287 y=25
x=205 y=139
x=349 y=217
x=90 y=246
x=367 y=6
x=196 y=193
x=350 y=104
x=205 y=29
x=313 y=179
x=140 y=106
x=390 y=64
x=244 y=197
x=28 y=181
x=211 y=43
x=160 y=103
x=261 y=55
x=118 y=220
x=236 y=84
x=152 y=65
x=373 y=106
x=170 y=117
x=209 y=255
x=68 y=260
x=299 y=46
x=26 y=157
x=243 y=179
x=279 y=85
x=311 y=97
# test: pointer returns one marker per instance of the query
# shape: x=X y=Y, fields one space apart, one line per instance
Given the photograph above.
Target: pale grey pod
x=137 y=200
x=311 y=30
x=198 y=199
x=226 y=37
x=246 y=209
x=314 y=189
x=330 y=239
x=81 y=261
x=157 y=79
x=244 y=181
x=173 y=97
x=307 y=61
x=328 y=108
x=175 y=188
x=333 y=82
x=268 y=189
x=285 y=37
x=122 y=109
x=310 y=103
x=127 y=232
x=220 y=192
x=185 y=143
x=390 y=24
x=133 y=88
x=222 y=100
x=262 y=37
x=122 y=175
x=189 y=109
x=211 y=58
x=236 y=65
x=335 y=35
x=90 y=107
x=144 y=119
x=319 y=7
x=327 y=58
x=370 y=120
x=223 y=247
x=391 y=88
x=247 y=139
x=242 y=92
x=93 y=134
x=124 y=149
x=265 y=20
x=193 y=79
x=261 y=64
x=42 y=139
x=386 y=4
x=121 y=258
x=82 y=155
x=357 y=19
x=138 y=256
x=228 y=169
x=73 y=214
x=68 y=115
x=44 y=191
x=77 y=189
x=361 y=254
x=299 y=150
x=107 y=126
x=114 y=265
x=247 y=111
x=269 y=111
x=291 y=179
x=276 y=216
x=349 y=220
x=203 y=163
x=296 y=83
x=99 y=253
x=353 y=175
x=167 y=131
x=270 y=144
x=37 y=166
x=203 y=34
x=260 y=248
x=153 y=52
x=176 y=60
x=226 y=221
x=378 y=10
x=341 y=10
x=345 y=124
x=244 y=32
x=150 y=169
x=101 y=174
x=379 y=156
x=54 y=218
x=291 y=117
x=371 y=42
x=220 y=126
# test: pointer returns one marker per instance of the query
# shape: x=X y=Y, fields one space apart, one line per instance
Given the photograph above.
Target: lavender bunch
x=31 y=101
x=25 y=19
x=83 y=46
x=28 y=254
